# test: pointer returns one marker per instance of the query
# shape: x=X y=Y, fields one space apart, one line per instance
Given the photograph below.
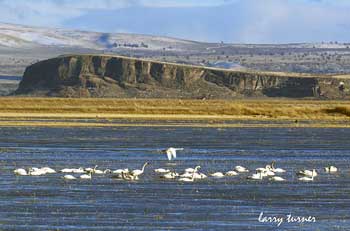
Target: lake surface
x=232 y=203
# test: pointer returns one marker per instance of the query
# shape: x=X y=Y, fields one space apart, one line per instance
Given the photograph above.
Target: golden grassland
x=207 y=113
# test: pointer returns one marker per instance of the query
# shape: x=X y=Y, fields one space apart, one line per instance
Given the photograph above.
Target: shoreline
x=89 y=112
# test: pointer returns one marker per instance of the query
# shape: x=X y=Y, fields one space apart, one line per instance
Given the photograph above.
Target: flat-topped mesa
x=115 y=76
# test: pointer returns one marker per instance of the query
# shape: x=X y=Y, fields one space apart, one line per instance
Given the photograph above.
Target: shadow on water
x=50 y=203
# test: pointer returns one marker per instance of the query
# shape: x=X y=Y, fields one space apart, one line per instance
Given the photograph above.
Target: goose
x=69 y=177
x=256 y=176
x=217 y=174
x=138 y=172
x=277 y=178
x=161 y=170
x=20 y=172
x=171 y=152
x=308 y=173
x=241 y=169
x=276 y=170
x=86 y=176
x=231 y=173
x=331 y=169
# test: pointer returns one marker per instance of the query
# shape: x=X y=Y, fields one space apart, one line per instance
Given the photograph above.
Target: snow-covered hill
x=18 y=36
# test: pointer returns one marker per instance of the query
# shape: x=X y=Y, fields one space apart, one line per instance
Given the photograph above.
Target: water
x=50 y=203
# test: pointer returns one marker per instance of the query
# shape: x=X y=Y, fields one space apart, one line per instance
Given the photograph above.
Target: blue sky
x=235 y=21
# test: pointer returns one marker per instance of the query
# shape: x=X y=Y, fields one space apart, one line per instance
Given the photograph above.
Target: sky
x=230 y=21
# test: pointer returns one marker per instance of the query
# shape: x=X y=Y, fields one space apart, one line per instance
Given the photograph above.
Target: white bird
x=306 y=178
x=231 y=173
x=190 y=170
x=170 y=175
x=120 y=171
x=69 y=177
x=86 y=176
x=308 y=173
x=171 y=152
x=78 y=170
x=48 y=170
x=187 y=175
x=331 y=169
x=66 y=170
x=276 y=170
x=128 y=176
x=138 y=172
x=36 y=172
x=199 y=176
x=277 y=178
x=161 y=170
x=20 y=172
x=256 y=176
x=217 y=174
x=241 y=169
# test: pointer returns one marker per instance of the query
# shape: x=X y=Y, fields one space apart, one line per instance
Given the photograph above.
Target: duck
x=308 y=173
x=161 y=170
x=138 y=172
x=69 y=177
x=331 y=169
x=240 y=169
x=231 y=173
x=277 y=178
x=171 y=152
x=20 y=172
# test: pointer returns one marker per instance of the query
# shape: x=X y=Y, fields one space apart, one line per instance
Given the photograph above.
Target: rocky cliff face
x=115 y=76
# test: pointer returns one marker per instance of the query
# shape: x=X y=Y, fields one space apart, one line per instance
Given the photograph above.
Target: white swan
x=186 y=175
x=20 y=172
x=171 y=152
x=161 y=170
x=308 y=173
x=128 y=176
x=170 y=175
x=331 y=169
x=69 y=177
x=276 y=170
x=138 y=172
x=36 y=172
x=78 y=170
x=306 y=178
x=86 y=176
x=277 y=178
x=120 y=171
x=240 y=169
x=48 y=170
x=231 y=173
x=217 y=174
x=256 y=176
x=199 y=176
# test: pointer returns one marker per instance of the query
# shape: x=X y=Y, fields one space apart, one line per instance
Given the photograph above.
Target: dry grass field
x=46 y=111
